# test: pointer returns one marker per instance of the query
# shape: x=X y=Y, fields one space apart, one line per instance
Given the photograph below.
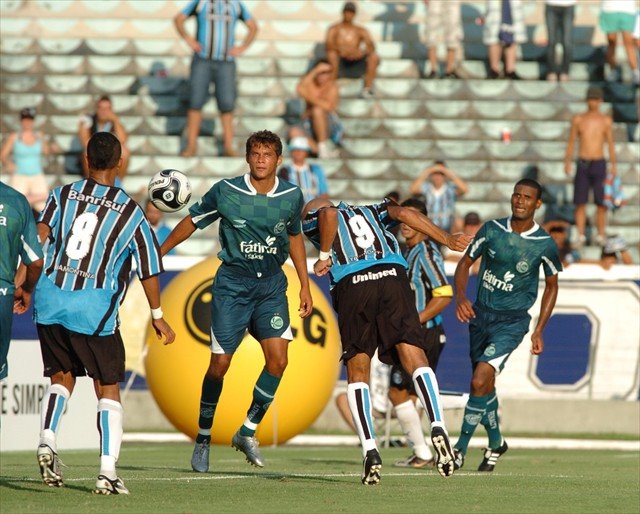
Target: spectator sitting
x=440 y=187
x=309 y=177
x=619 y=16
x=444 y=24
x=160 y=228
x=504 y=30
x=615 y=251
x=559 y=231
x=559 y=16
x=344 y=47
x=21 y=157
x=320 y=122
x=104 y=120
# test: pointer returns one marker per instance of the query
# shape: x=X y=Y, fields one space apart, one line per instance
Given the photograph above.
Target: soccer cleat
x=371 y=467
x=458 y=459
x=49 y=466
x=200 y=457
x=492 y=456
x=105 y=485
x=444 y=453
x=249 y=446
x=413 y=461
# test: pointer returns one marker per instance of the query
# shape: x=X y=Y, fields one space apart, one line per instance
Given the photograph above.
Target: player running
x=513 y=250
x=94 y=233
x=259 y=228
x=376 y=309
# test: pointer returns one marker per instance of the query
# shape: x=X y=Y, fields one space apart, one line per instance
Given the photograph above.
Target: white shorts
x=444 y=23
x=34 y=187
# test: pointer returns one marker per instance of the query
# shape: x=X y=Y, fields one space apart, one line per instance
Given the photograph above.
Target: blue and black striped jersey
x=363 y=239
x=216 y=25
x=427 y=276
x=95 y=233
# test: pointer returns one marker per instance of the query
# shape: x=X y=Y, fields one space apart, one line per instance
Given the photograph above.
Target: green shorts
x=243 y=303
x=494 y=335
x=617 y=22
x=6 y=319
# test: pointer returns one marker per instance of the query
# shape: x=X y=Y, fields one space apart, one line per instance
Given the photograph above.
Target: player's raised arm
x=180 y=232
x=299 y=257
x=464 y=308
x=151 y=287
x=546 y=308
x=328 y=226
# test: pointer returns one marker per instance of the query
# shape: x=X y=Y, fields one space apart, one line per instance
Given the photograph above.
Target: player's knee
x=373 y=59
x=277 y=365
x=478 y=385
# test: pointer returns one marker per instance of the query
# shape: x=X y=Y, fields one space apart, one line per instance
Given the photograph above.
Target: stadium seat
x=453 y=129
x=400 y=108
x=457 y=149
x=20 y=84
x=396 y=88
x=65 y=46
x=406 y=128
x=70 y=103
x=501 y=150
x=107 y=46
x=112 y=84
x=540 y=110
x=493 y=109
x=294 y=48
x=364 y=147
x=365 y=168
x=534 y=89
x=447 y=108
x=488 y=89
x=154 y=46
x=262 y=66
x=18 y=64
x=410 y=148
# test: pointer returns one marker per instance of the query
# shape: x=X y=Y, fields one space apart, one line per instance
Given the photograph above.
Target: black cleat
x=444 y=453
x=458 y=459
x=371 y=467
x=492 y=456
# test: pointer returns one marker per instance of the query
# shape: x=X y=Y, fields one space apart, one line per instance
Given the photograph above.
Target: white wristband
x=156 y=313
x=324 y=255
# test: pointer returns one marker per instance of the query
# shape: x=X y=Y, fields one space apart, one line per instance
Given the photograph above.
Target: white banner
x=21 y=397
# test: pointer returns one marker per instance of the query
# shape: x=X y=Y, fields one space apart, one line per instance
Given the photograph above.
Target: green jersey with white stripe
x=254 y=228
x=18 y=236
x=510 y=267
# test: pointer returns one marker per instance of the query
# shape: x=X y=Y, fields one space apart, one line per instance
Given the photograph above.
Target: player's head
x=526 y=198
x=27 y=118
x=264 y=153
x=595 y=95
x=103 y=107
x=103 y=152
x=407 y=232
x=472 y=223
x=349 y=11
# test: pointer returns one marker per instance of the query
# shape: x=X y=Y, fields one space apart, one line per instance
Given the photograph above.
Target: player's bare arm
x=573 y=134
x=549 y=297
x=611 y=145
x=178 y=22
x=26 y=280
x=328 y=225
x=151 y=287
x=464 y=307
x=299 y=258
x=181 y=232
x=422 y=223
x=435 y=306
x=252 y=27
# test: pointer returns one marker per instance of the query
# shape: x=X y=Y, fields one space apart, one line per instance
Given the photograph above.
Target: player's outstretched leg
x=409 y=420
x=491 y=456
x=359 y=399
x=491 y=423
x=473 y=414
x=426 y=386
x=248 y=445
x=210 y=394
x=110 y=427
x=53 y=404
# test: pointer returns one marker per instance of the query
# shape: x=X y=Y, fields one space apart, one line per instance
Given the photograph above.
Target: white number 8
x=361 y=228
x=81 y=234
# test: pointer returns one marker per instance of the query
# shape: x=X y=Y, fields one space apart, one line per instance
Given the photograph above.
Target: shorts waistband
x=590 y=161
x=237 y=270
x=515 y=313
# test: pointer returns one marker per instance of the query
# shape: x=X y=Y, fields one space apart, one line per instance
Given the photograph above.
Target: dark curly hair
x=267 y=138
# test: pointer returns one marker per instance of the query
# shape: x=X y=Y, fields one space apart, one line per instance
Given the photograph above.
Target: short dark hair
x=530 y=183
x=103 y=151
x=440 y=162
x=104 y=98
x=267 y=138
x=416 y=204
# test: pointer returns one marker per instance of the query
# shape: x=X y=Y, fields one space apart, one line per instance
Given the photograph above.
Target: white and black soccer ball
x=169 y=190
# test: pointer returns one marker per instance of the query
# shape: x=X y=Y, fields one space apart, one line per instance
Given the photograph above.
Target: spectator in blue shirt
x=214 y=61
x=309 y=177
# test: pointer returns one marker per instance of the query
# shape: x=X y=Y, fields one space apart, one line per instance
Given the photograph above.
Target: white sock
x=51 y=411
x=360 y=406
x=110 y=427
x=409 y=420
x=426 y=385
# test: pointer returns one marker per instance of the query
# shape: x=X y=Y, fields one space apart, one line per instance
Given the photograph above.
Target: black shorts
x=100 y=357
x=589 y=175
x=376 y=310
x=433 y=344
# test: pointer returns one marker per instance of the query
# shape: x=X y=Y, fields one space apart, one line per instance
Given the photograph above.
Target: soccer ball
x=169 y=190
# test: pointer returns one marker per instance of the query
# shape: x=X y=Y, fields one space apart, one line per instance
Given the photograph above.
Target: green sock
x=211 y=390
x=473 y=413
x=491 y=422
x=263 y=393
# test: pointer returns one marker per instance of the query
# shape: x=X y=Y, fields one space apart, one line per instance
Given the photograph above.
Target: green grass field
x=299 y=479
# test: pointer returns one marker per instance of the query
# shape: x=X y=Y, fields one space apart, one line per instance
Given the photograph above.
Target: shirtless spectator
x=593 y=130
x=104 y=120
x=320 y=121
x=344 y=46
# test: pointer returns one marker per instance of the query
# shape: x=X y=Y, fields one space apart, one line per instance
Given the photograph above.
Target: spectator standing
x=344 y=44
x=444 y=24
x=320 y=121
x=593 y=130
x=309 y=177
x=21 y=157
x=440 y=187
x=559 y=15
x=619 y=16
x=503 y=30
x=104 y=120
x=214 y=61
